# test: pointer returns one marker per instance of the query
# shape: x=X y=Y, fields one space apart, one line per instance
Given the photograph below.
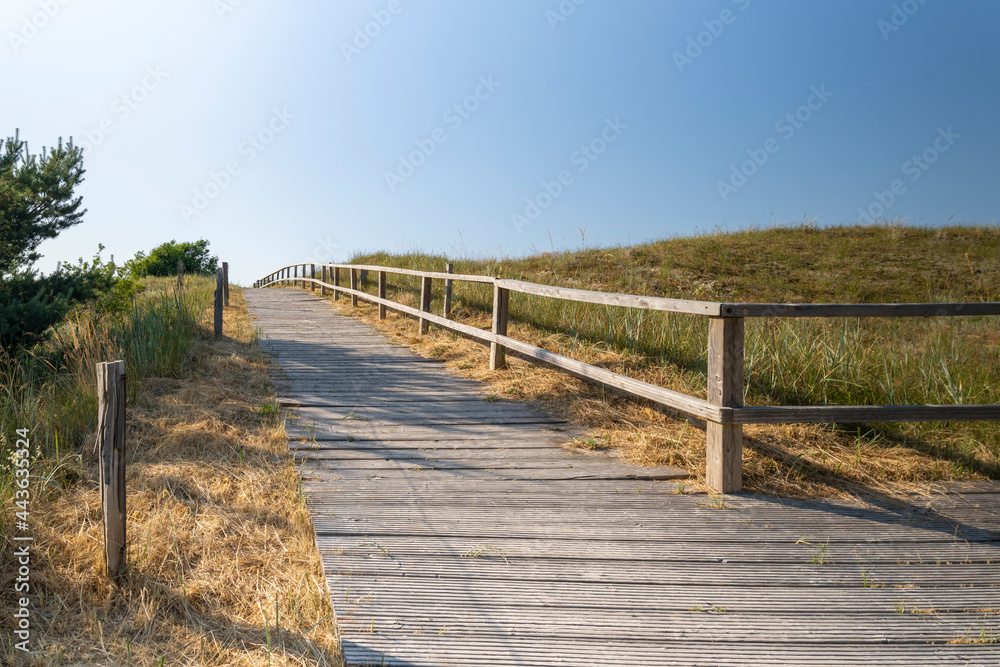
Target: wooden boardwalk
x=457 y=531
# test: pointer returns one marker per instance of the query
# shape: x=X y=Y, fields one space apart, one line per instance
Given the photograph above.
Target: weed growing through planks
x=479 y=549
x=983 y=636
x=868 y=581
x=822 y=554
x=716 y=502
x=373 y=544
x=900 y=607
x=492 y=398
x=592 y=444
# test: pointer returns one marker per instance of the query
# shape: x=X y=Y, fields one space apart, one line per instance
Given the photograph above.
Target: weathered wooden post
x=354 y=286
x=180 y=273
x=498 y=353
x=312 y=274
x=336 y=282
x=295 y=276
x=218 y=303
x=724 y=442
x=322 y=288
x=111 y=446
x=381 y=294
x=225 y=283
x=448 y=268
x=425 y=304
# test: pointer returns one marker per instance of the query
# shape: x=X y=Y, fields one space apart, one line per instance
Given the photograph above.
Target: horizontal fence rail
x=723 y=410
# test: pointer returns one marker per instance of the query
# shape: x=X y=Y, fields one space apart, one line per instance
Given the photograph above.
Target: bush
x=31 y=304
x=162 y=260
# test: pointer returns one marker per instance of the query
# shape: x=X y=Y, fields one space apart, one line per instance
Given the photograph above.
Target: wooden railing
x=723 y=410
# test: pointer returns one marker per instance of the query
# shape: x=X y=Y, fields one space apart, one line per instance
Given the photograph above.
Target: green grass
x=850 y=361
x=51 y=390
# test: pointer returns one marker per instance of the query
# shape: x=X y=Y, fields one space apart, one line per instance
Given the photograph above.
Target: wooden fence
x=723 y=410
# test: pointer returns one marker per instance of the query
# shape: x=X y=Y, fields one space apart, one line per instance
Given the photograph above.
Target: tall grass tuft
x=51 y=390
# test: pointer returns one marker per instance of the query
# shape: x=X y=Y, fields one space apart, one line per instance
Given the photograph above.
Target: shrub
x=162 y=260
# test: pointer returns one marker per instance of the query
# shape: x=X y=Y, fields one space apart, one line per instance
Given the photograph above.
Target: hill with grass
x=804 y=264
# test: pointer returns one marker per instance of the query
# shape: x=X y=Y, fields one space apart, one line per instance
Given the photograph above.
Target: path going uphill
x=460 y=531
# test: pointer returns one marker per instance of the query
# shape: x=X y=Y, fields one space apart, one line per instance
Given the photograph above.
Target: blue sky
x=307 y=131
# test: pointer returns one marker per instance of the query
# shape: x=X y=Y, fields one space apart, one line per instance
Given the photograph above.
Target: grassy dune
x=863 y=361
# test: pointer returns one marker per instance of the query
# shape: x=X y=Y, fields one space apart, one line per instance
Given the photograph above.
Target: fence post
x=498 y=353
x=218 y=303
x=381 y=294
x=312 y=274
x=425 y=304
x=724 y=442
x=225 y=284
x=448 y=268
x=354 y=286
x=322 y=288
x=111 y=445
x=180 y=273
x=336 y=282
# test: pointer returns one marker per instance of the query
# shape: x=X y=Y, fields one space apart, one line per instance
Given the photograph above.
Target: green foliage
x=162 y=260
x=120 y=297
x=31 y=304
x=36 y=203
x=36 y=199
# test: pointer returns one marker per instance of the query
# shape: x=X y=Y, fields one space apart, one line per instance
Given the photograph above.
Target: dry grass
x=790 y=460
x=222 y=563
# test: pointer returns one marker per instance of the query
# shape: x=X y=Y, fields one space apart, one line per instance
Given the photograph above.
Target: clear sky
x=308 y=131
